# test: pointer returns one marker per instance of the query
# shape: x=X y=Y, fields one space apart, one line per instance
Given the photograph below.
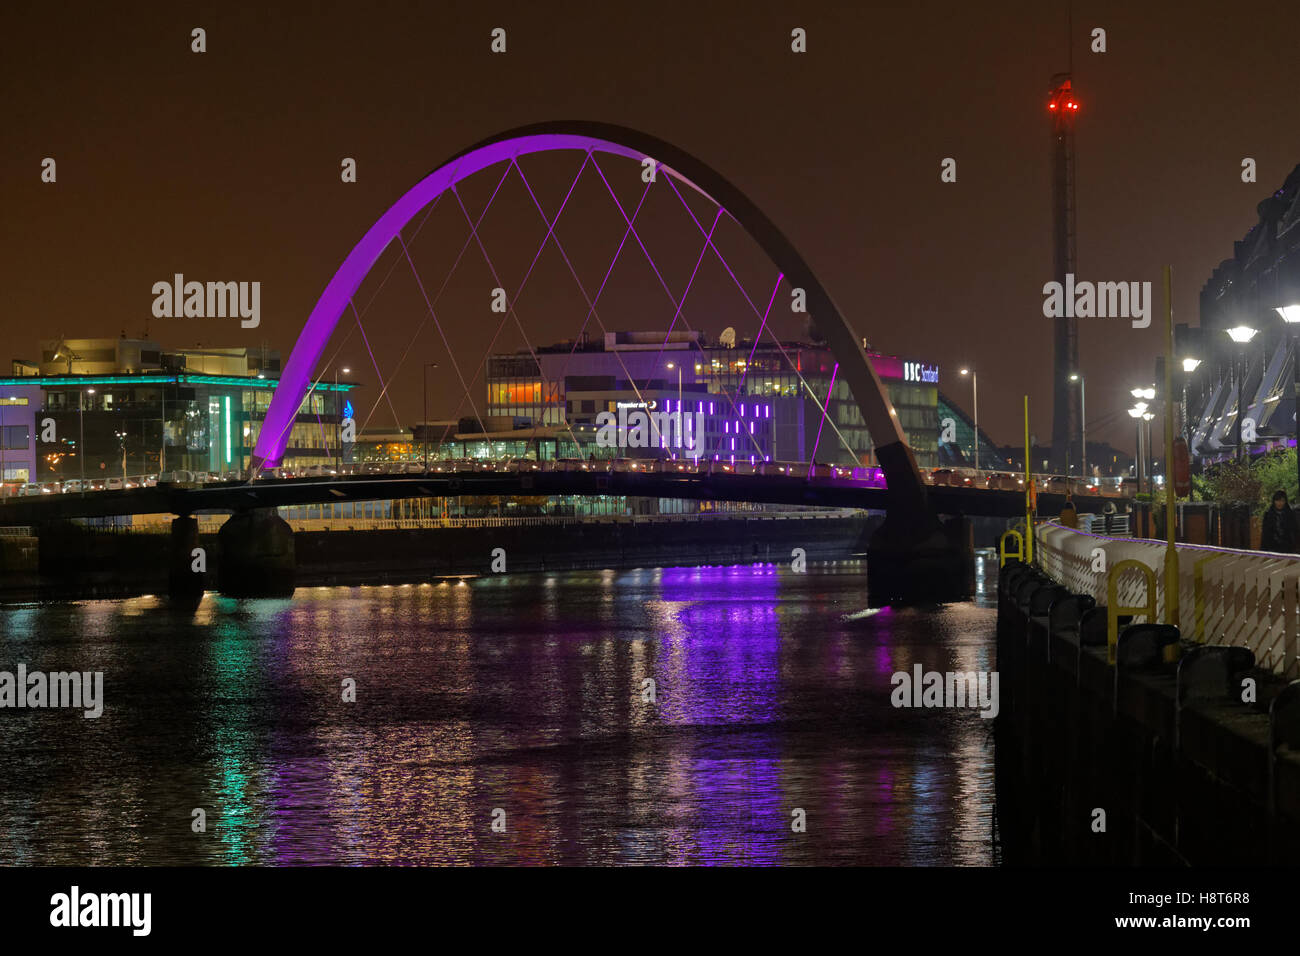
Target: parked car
x=951 y=477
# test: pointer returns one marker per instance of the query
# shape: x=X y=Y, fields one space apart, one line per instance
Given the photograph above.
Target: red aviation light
x=1062 y=98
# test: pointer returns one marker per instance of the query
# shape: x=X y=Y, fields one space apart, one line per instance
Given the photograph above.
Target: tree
x=1277 y=470
x=1234 y=482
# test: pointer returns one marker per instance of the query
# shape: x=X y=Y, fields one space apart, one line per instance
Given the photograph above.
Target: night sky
x=225 y=166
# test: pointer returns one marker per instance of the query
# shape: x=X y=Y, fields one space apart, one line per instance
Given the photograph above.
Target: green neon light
x=228 y=429
x=46 y=381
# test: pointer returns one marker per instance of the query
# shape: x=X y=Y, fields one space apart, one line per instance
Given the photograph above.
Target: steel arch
x=906 y=490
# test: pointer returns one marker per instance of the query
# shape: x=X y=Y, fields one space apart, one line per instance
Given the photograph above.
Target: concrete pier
x=934 y=565
x=257 y=555
x=186 y=559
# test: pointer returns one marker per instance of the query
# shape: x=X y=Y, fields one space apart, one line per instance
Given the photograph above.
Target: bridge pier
x=907 y=565
x=914 y=558
x=182 y=579
x=257 y=555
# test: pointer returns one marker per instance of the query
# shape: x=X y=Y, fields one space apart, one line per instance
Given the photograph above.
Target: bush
x=1234 y=482
x=1252 y=483
x=1276 y=470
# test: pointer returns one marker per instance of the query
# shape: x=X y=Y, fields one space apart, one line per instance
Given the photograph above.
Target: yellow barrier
x=1113 y=609
x=1003 y=553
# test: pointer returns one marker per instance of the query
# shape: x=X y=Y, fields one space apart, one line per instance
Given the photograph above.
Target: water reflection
x=520 y=699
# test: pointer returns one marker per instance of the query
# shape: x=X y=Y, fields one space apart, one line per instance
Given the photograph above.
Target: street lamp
x=679 y=405
x=975 y=397
x=81 y=440
x=425 y=424
x=1241 y=334
x=1083 y=422
x=338 y=425
x=1139 y=411
x=1136 y=413
x=1150 y=461
x=1291 y=316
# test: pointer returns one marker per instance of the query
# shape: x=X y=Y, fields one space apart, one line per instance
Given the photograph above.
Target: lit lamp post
x=1083 y=423
x=1150 y=463
x=81 y=438
x=1291 y=316
x=671 y=366
x=1241 y=334
x=338 y=427
x=1190 y=365
x=975 y=400
x=1137 y=412
x=1145 y=395
x=424 y=425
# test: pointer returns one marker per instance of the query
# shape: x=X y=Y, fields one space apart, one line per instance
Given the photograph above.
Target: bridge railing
x=1243 y=598
x=210 y=524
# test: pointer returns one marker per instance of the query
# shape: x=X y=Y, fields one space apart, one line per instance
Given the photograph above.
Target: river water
x=505 y=720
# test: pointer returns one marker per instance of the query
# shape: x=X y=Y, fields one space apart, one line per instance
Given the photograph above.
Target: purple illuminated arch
x=894 y=455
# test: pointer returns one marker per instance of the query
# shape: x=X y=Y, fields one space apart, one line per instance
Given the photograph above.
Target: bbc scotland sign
x=920 y=372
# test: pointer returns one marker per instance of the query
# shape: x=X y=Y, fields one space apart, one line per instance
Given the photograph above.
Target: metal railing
x=1118 y=525
x=210 y=524
x=1244 y=598
x=867 y=476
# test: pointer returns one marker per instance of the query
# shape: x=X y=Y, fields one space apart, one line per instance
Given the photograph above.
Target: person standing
x=1279 y=532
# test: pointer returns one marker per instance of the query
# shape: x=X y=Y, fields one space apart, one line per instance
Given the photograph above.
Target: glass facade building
x=569 y=384
x=120 y=408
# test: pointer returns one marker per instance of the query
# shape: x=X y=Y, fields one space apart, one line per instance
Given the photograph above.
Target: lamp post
x=1291 y=316
x=1190 y=365
x=1136 y=413
x=1083 y=424
x=338 y=426
x=671 y=366
x=424 y=425
x=1241 y=334
x=1144 y=395
x=81 y=439
x=1150 y=461
x=975 y=400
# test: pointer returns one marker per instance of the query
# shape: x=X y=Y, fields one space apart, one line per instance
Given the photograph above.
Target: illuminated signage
x=920 y=372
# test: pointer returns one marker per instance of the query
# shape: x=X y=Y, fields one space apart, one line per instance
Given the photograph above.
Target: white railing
x=1245 y=598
